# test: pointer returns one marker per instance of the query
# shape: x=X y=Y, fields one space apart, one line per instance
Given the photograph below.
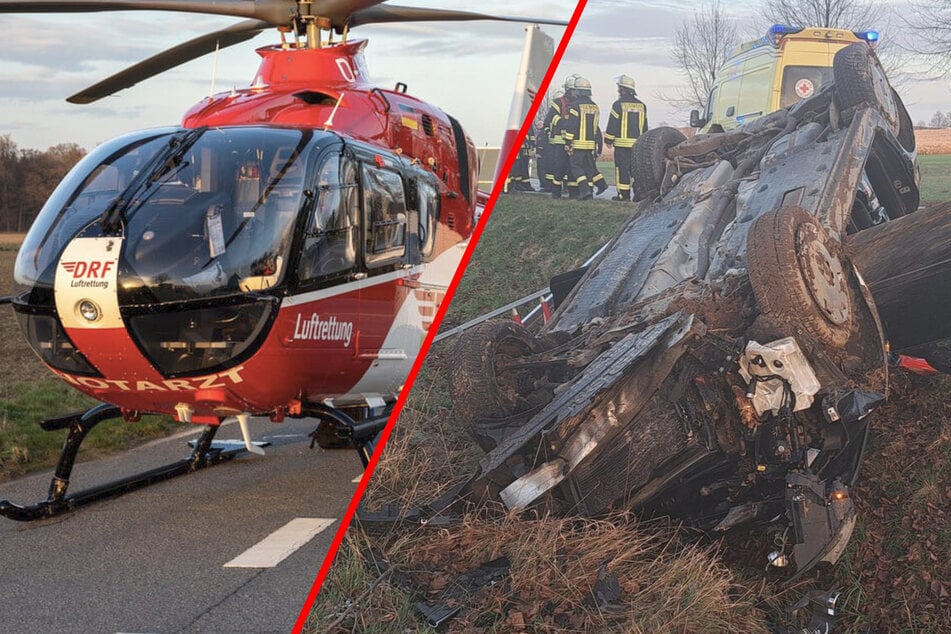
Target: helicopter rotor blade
x=380 y=14
x=235 y=34
x=261 y=15
x=274 y=12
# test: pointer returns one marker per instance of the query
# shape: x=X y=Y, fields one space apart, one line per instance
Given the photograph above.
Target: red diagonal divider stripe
x=427 y=342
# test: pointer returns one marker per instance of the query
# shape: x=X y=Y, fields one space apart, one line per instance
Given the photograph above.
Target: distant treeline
x=28 y=177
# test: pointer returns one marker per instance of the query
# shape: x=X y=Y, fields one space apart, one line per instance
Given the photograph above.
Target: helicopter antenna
x=330 y=120
x=214 y=69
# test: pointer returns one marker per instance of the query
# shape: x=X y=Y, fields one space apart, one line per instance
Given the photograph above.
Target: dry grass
x=666 y=585
x=427 y=453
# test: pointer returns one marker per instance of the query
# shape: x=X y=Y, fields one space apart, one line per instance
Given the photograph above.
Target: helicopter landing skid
x=337 y=429
x=58 y=502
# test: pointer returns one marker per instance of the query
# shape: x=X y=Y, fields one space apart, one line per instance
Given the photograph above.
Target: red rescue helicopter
x=281 y=253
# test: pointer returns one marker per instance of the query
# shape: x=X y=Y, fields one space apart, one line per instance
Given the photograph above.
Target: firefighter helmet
x=582 y=85
x=626 y=82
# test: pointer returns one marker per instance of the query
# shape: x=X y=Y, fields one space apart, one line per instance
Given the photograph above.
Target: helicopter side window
x=385 y=210
x=329 y=244
x=428 y=200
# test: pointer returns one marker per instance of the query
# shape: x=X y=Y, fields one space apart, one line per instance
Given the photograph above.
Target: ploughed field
x=937 y=141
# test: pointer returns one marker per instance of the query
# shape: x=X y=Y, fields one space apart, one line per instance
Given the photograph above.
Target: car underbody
x=719 y=361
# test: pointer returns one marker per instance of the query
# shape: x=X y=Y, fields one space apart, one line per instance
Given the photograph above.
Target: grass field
x=935 y=178
x=29 y=393
x=895 y=575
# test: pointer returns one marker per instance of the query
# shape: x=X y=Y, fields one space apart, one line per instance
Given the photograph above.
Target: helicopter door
x=331 y=241
x=385 y=339
x=385 y=215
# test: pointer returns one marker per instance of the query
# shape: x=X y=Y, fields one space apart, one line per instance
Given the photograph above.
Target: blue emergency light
x=777 y=31
x=869 y=36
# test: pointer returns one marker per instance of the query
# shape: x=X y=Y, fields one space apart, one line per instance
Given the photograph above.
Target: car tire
x=906 y=129
x=648 y=162
x=860 y=80
x=483 y=393
x=797 y=275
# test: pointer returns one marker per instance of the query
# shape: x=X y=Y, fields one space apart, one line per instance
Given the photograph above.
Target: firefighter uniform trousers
x=519 y=179
x=581 y=131
x=627 y=123
x=542 y=157
x=557 y=161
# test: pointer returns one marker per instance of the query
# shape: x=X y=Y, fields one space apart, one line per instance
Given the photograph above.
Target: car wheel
x=484 y=390
x=648 y=162
x=797 y=274
x=860 y=79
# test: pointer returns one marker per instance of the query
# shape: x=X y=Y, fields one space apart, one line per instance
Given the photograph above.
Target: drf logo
x=93 y=270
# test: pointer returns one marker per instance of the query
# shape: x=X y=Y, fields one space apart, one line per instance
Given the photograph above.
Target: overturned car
x=719 y=360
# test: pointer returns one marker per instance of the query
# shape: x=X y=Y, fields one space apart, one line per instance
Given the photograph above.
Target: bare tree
x=940 y=120
x=834 y=14
x=701 y=46
x=930 y=21
x=852 y=15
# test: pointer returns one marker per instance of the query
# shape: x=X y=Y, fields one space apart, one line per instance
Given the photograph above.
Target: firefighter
x=581 y=134
x=542 y=155
x=627 y=122
x=557 y=161
x=519 y=179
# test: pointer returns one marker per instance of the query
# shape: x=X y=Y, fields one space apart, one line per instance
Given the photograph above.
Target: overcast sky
x=468 y=69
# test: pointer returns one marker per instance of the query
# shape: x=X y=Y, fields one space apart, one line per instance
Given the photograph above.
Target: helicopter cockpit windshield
x=206 y=219
x=220 y=220
x=210 y=215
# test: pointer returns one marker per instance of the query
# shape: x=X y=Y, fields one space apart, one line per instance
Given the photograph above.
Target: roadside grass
x=26 y=447
x=29 y=393
x=607 y=170
x=664 y=583
x=935 y=177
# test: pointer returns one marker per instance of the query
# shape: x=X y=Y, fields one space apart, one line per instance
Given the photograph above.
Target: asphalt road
x=154 y=560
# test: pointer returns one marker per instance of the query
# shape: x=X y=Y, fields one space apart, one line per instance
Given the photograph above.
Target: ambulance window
x=428 y=215
x=755 y=90
x=729 y=96
x=330 y=245
x=385 y=212
x=802 y=82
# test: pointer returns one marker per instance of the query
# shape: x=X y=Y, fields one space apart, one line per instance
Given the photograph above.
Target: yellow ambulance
x=787 y=64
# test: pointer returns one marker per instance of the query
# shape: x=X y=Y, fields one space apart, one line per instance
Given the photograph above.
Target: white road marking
x=280 y=544
x=357 y=479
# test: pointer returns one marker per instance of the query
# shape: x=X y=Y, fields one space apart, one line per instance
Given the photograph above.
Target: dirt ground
x=933 y=141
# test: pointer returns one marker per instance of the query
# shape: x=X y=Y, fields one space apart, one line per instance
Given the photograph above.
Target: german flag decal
x=408 y=117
